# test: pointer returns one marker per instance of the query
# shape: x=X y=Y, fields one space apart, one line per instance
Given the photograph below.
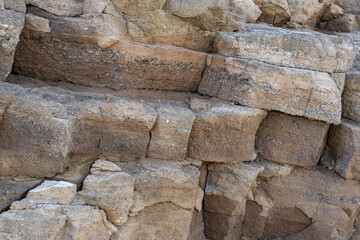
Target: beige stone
x=226 y=192
x=56 y=126
x=56 y=192
x=291 y=140
x=307 y=12
x=11 y=25
x=224 y=133
x=36 y=23
x=70 y=8
x=315 y=204
x=352 y=6
x=170 y=135
x=46 y=214
x=109 y=189
x=274 y=12
x=345 y=145
x=166 y=199
x=332 y=12
x=291 y=48
x=298 y=92
x=247 y=8
x=16 y=5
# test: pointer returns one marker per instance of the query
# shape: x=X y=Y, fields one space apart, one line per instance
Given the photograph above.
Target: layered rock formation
x=169 y=119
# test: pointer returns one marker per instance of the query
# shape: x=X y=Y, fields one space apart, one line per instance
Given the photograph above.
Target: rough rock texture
x=170 y=135
x=58 y=126
x=166 y=199
x=291 y=140
x=226 y=192
x=299 y=92
x=345 y=145
x=291 y=48
x=11 y=25
x=224 y=133
x=106 y=178
x=155 y=111
x=47 y=213
x=318 y=205
x=12 y=189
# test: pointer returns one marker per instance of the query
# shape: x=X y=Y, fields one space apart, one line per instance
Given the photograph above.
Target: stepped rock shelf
x=179 y=120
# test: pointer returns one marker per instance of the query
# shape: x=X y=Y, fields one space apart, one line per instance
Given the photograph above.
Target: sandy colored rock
x=166 y=199
x=45 y=213
x=345 y=23
x=11 y=25
x=226 y=192
x=345 y=145
x=129 y=65
x=109 y=189
x=170 y=135
x=352 y=6
x=291 y=140
x=247 y=8
x=224 y=133
x=332 y=12
x=307 y=12
x=69 y=8
x=275 y=12
x=11 y=190
x=16 y=5
x=298 y=92
x=315 y=204
x=290 y=48
x=55 y=192
x=56 y=126
x=35 y=23
x=207 y=15
x=351 y=96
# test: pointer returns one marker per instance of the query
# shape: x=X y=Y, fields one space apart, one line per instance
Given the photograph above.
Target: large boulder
x=299 y=92
x=223 y=133
x=291 y=48
x=291 y=140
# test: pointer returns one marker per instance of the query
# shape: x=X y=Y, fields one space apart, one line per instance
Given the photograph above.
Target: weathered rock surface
x=46 y=213
x=290 y=48
x=170 y=135
x=345 y=145
x=275 y=12
x=12 y=189
x=318 y=205
x=226 y=192
x=166 y=198
x=56 y=126
x=109 y=189
x=224 y=133
x=351 y=96
x=291 y=140
x=11 y=25
x=299 y=92
x=345 y=23
x=69 y=8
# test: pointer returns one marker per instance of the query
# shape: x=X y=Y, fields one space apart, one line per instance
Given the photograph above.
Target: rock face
x=308 y=211
x=256 y=84
x=237 y=127
x=226 y=192
x=296 y=49
x=179 y=119
x=343 y=140
x=11 y=25
x=48 y=213
x=12 y=189
x=291 y=140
